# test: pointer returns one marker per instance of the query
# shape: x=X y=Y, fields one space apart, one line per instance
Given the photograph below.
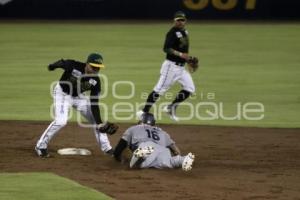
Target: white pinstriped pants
x=62 y=105
x=169 y=74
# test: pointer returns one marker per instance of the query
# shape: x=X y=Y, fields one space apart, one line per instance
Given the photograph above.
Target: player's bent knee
x=190 y=89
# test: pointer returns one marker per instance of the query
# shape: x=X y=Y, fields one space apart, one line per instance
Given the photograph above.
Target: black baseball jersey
x=74 y=81
x=178 y=40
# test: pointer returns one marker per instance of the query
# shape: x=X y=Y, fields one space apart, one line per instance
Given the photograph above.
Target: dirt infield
x=231 y=163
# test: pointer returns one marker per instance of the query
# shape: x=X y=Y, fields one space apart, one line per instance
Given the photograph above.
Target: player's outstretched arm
x=58 y=64
x=174 y=149
x=121 y=146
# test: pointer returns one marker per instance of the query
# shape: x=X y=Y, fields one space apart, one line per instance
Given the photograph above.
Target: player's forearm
x=175 y=150
x=176 y=53
x=172 y=51
x=119 y=149
x=168 y=50
x=58 y=64
x=96 y=112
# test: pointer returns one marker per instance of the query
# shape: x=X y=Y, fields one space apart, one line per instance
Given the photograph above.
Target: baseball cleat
x=140 y=154
x=143 y=152
x=139 y=114
x=188 y=162
x=110 y=152
x=42 y=152
x=170 y=110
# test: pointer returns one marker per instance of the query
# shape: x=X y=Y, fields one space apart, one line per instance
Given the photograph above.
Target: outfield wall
x=150 y=9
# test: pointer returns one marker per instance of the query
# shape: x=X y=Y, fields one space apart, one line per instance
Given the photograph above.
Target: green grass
x=239 y=63
x=35 y=186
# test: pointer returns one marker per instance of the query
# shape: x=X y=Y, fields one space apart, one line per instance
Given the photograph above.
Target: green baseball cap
x=179 y=15
x=95 y=60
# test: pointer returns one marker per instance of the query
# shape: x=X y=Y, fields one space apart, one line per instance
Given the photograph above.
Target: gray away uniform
x=145 y=135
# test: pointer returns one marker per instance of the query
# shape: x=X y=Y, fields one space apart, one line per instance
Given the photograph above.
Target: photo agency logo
x=119 y=100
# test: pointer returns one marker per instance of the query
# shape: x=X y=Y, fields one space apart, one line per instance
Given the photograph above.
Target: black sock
x=180 y=97
x=152 y=98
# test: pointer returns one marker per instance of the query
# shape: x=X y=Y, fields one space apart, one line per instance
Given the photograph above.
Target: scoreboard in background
x=219 y=4
x=150 y=9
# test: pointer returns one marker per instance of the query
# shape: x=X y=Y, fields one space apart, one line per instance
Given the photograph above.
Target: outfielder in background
x=176 y=47
x=152 y=147
x=77 y=78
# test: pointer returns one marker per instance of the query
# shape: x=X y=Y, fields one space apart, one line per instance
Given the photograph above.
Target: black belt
x=178 y=63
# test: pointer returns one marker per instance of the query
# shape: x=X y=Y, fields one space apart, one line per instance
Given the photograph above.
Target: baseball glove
x=193 y=63
x=109 y=128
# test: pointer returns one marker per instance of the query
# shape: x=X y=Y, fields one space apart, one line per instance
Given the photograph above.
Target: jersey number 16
x=152 y=134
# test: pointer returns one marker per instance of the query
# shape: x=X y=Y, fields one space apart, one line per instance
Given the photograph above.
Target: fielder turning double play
x=78 y=77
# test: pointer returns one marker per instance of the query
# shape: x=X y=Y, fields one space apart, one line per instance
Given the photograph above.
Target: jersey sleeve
x=169 y=42
x=127 y=136
x=63 y=64
x=94 y=98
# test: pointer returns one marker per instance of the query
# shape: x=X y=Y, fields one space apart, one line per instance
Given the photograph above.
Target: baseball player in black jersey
x=176 y=47
x=77 y=78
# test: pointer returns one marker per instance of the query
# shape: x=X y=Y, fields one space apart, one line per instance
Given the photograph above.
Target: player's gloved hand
x=108 y=128
x=193 y=63
x=51 y=67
